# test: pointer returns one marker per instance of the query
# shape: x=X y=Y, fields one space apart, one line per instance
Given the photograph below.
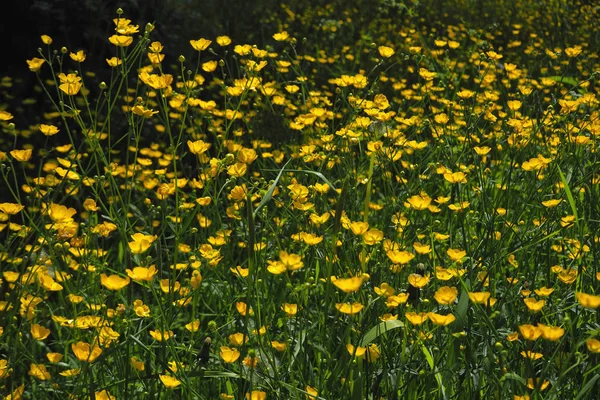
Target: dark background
x=87 y=24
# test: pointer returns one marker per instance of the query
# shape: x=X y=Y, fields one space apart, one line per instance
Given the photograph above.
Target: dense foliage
x=375 y=200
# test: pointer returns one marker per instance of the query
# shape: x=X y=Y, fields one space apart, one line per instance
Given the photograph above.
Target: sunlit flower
x=114 y=282
x=159 y=336
x=348 y=285
x=552 y=333
x=200 y=44
x=446 y=295
x=78 y=57
x=223 y=40
x=588 y=300
x=531 y=355
x=141 y=242
x=290 y=309
x=439 y=319
x=355 y=351
x=21 y=155
x=39 y=371
x=416 y=319
x=256 y=395
x=86 y=353
x=70 y=84
x=120 y=40
x=142 y=273
x=39 y=332
x=593 y=345
x=169 y=381
x=385 y=51
x=530 y=332
x=349 y=309
x=35 y=64
x=228 y=354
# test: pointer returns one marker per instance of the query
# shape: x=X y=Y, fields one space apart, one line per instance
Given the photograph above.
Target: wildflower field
x=376 y=200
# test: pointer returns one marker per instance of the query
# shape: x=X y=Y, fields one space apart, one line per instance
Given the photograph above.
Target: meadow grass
x=374 y=203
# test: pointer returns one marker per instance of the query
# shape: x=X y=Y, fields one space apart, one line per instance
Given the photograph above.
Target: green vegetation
x=391 y=202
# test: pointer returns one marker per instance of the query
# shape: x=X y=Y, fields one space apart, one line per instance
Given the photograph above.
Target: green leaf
x=569 y=195
x=379 y=329
x=318 y=174
x=569 y=80
x=269 y=195
x=588 y=386
x=513 y=377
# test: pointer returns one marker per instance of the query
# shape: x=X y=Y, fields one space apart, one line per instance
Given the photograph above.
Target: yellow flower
x=279 y=346
x=54 y=357
x=418 y=281
x=349 y=309
x=440 y=319
x=312 y=392
x=200 y=44
x=78 y=57
x=35 y=64
x=114 y=282
x=532 y=355
x=104 y=395
x=21 y=155
x=593 y=345
x=136 y=364
x=533 y=304
x=530 y=332
x=210 y=66
x=39 y=332
x=291 y=262
x=551 y=203
x=281 y=36
x=416 y=319
x=169 y=381
x=5 y=116
x=356 y=352
x=455 y=177
x=159 y=336
x=223 y=40
x=86 y=353
x=193 y=326
x=11 y=208
x=256 y=395
x=399 y=256
x=422 y=248
x=70 y=83
x=372 y=236
x=114 y=61
x=48 y=130
x=456 y=254
x=479 y=297
x=229 y=355
x=49 y=283
x=143 y=111
x=47 y=40
x=385 y=51
x=552 y=333
x=39 y=371
x=142 y=273
x=532 y=383
x=141 y=242
x=4 y=370
x=588 y=300
x=290 y=309
x=348 y=285
x=418 y=202
x=120 y=40
x=446 y=295
x=237 y=339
